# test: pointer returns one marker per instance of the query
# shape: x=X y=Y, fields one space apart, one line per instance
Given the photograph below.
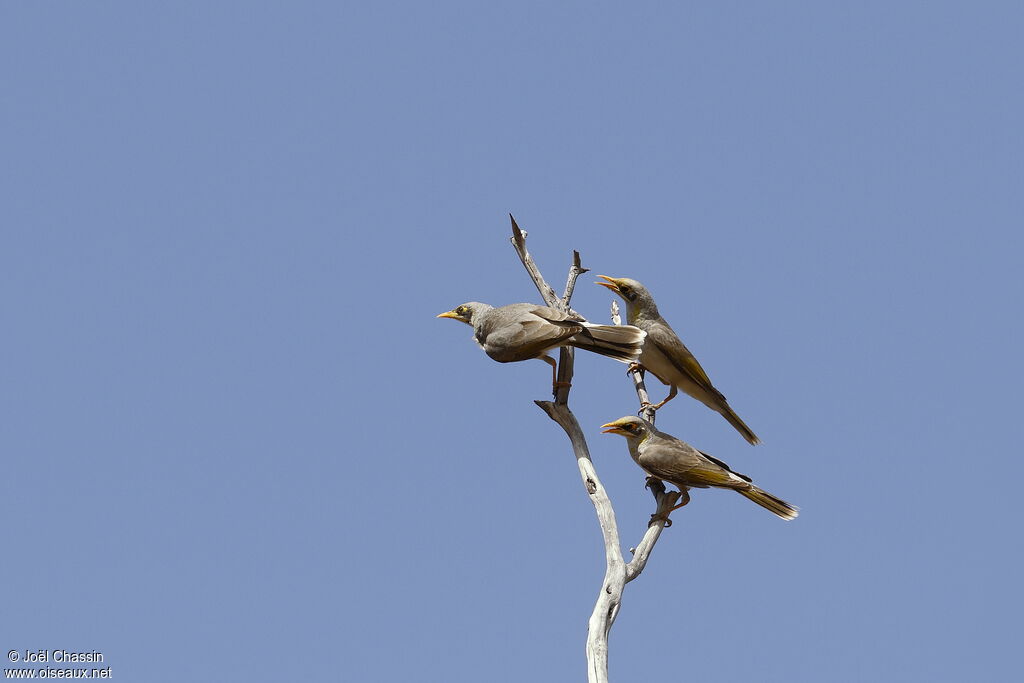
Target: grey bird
x=667 y=358
x=677 y=462
x=523 y=331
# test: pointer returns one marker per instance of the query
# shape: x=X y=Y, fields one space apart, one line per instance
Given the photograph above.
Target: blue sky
x=238 y=445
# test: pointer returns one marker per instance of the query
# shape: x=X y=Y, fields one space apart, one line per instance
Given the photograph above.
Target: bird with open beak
x=665 y=457
x=667 y=358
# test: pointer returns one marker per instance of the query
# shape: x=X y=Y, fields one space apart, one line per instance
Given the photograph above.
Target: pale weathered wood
x=519 y=242
x=642 y=552
x=610 y=595
x=575 y=270
x=646 y=411
x=664 y=500
x=617 y=571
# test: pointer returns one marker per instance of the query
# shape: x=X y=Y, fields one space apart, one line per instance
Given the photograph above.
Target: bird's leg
x=671 y=395
x=684 y=496
x=636 y=367
x=663 y=516
x=555 y=384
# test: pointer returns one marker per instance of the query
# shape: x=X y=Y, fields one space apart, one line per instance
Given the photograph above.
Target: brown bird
x=667 y=358
x=523 y=331
x=677 y=462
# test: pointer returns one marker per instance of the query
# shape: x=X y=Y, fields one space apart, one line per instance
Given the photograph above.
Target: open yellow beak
x=448 y=314
x=613 y=427
x=612 y=283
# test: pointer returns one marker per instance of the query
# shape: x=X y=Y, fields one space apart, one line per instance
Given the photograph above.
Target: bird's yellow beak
x=448 y=314
x=612 y=284
x=613 y=427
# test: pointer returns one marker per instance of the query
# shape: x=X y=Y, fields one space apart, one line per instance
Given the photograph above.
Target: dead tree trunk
x=618 y=572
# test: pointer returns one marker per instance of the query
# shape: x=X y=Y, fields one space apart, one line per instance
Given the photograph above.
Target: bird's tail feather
x=772 y=503
x=741 y=427
x=621 y=342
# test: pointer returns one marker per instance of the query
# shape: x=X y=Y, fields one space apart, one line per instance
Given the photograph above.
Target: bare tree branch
x=642 y=552
x=664 y=500
x=519 y=242
x=574 y=272
x=610 y=595
x=641 y=393
x=617 y=571
x=637 y=374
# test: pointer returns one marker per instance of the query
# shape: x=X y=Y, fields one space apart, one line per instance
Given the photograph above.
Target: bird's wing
x=682 y=464
x=668 y=459
x=522 y=331
x=546 y=326
x=553 y=315
x=721 y=464
x=668 y=342
x=552 y=324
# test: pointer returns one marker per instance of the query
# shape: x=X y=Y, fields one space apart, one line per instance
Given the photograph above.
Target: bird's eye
x=461 y=310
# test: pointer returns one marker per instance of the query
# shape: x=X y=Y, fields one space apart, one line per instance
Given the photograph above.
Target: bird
x=524 y=331
x=663 y=456
x=667 y=358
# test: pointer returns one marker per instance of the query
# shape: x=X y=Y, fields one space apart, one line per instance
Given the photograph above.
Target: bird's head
x=464 y=312
x=631 y=291
x=631 y=427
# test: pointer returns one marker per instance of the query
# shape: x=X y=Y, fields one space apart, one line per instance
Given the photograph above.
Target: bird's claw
x=666 y=522
x=645 y=406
